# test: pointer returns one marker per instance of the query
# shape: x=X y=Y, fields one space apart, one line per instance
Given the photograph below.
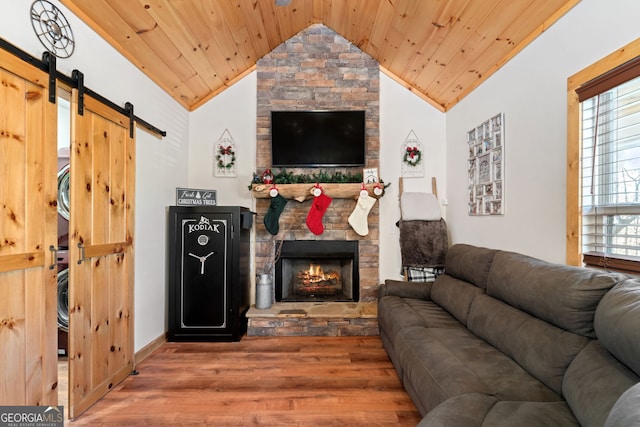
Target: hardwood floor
x=302 y=381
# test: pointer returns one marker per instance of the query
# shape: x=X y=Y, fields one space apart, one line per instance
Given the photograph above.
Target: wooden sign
x=195 y=197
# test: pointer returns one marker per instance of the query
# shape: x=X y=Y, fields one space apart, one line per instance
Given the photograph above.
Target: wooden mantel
x=302 y=192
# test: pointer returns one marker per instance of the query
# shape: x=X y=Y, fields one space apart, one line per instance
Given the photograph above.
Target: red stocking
x=318 y=208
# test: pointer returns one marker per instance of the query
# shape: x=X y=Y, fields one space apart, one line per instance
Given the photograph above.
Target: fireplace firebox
x=317 y=270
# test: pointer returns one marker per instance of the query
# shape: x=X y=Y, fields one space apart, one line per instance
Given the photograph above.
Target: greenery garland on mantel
x=284 y=177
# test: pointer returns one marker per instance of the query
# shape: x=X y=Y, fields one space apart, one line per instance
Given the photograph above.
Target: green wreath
x=223 y=151
x=412 y=156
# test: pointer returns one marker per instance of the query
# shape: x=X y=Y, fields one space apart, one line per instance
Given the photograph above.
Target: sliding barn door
x=28 y=327
x=101 y=253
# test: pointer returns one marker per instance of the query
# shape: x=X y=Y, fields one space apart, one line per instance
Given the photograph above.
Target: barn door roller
x=50 y=61
x=78 y=83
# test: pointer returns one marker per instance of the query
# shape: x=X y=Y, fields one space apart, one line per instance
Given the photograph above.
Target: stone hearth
x=314 y=319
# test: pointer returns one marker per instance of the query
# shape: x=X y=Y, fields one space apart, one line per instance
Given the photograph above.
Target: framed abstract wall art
x=486 y=167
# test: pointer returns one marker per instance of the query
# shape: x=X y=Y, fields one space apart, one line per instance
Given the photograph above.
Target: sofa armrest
x=404 y=289
x=625 y=410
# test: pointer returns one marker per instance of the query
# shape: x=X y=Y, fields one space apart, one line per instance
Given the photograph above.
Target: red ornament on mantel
x=267 y=176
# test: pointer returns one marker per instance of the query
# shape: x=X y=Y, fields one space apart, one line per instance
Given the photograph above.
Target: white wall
x=161 y=163
x=531 y=91
x=233 y=110
x=401 y=112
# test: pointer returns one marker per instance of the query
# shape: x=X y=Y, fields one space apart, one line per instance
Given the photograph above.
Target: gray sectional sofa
x=504 y=339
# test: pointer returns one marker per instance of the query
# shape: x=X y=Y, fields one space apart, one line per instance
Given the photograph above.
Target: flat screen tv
x=317 y=138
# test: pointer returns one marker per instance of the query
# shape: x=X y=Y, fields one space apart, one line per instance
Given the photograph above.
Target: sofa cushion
x=454 y=295
x=402 y=288
x=617 y=323
x=432 y=371
x=465 y=410
x=562 y=295
x=395 y=314
x=626 y=411
x=593 y=382
x=469 y=263
x=440 y=363
x=530 y=414
x=477 y=410
x=542 y=349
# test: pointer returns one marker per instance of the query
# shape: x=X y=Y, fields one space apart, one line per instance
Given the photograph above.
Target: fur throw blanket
x=423 y=243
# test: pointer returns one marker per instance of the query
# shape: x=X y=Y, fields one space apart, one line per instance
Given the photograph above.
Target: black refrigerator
x=209 y=266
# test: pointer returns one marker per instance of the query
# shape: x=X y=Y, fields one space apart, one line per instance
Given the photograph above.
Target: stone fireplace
x=318 y=69
x=317 y=271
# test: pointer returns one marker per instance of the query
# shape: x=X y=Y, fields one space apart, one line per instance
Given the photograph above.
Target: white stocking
x=358 y=218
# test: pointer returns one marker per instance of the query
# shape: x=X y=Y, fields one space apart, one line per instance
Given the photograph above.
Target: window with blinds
x=610 y=179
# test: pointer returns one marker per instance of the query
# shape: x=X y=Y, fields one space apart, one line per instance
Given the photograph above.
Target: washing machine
x=63 y=198
x=63 y=251
x=63 y=304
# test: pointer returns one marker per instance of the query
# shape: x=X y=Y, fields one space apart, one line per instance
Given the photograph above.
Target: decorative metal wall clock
x=52 y=28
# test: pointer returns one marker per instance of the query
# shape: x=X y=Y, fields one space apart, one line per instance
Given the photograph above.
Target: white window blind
x=610 y=164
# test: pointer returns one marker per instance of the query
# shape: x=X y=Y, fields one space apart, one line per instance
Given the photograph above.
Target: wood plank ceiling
x=440 y=49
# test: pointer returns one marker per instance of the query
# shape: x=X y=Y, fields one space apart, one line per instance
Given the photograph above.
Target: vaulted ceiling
x=439 y=49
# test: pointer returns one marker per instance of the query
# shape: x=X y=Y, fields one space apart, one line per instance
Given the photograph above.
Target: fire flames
x=315 y=280
x=315 y=274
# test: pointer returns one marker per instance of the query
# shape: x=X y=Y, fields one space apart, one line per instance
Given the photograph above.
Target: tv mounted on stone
x=318 y=139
